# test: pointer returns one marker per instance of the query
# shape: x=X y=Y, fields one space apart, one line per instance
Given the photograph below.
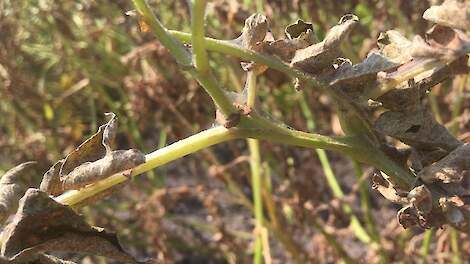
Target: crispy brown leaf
x=321 y=55
x=451 y=13
x=387 y=189
x=13 y=185
x=41 y=224
x=91 y=149
x=452 y=168
x=394 y=46
x=51 y=182
x=357 y=75
x=113 y=162
x=416 y=128
x=254 y=31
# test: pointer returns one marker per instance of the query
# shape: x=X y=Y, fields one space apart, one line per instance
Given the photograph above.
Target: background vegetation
x=65 y=63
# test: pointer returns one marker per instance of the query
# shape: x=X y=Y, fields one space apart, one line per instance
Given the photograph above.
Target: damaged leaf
x=254 y=31
x=387 y=189
x=93 y=160
x=321 y=55
x=41 y=224
x=113 y=162
x=51 y=182
x=299 y=36
x=420 y=198
x=13 y=185
x=451 y=168
x=366 y=71
x=91 y=149
x=394 y=46
x=451 y=13
x=416 y=128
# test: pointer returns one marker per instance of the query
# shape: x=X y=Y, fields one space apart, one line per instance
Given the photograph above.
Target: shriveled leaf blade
x=319 y=56
x=416 y=128
x=41 y=224
x=451 y=13
x=13 y=185
x=91 y=149
x=114 y=162
x=451 y=168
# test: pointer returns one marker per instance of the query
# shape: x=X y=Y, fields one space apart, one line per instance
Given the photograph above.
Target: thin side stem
x=256 y=182
x=428 y=235
x=183 y=56
x=157 y=158
x=253 y=145
x=200 y=57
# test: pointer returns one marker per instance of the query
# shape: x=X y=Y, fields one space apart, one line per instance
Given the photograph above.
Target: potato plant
x=418 y=163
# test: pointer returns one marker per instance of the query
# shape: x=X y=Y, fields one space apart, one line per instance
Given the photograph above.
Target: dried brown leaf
x=416 y=128
x=357 y=75
x=91 y=149
x=451 y=168
x=387 y=189
x=41 y=224
x=451 y=13
x=51 y=182
x=394 y=46
x=321 y=55
x=408 y=217
x=113 y=162
x=254 y=31
x=420 y=198
x=13 y=185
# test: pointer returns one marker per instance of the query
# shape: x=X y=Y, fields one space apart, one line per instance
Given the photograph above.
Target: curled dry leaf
x=41 y=224
x=254 y=31
x=454 y=215
x=93 y=160
x=407 y=217
x=451 y=13
x=366 y=71
x=51 y=182
x=299 y=36
x=92 y=149
x=394 y=46
x=321 y=55
x=420 y=198
x=406 y=98
x=13 y=185
x=451 y=168
x=416 y=128
x=252 y=37
x=113 y=162
x=442 y=43
x=387 y=189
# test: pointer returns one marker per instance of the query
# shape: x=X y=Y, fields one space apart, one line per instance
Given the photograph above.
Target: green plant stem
x=340 y=100
x=200 y=58
x=182 y=55
x=253 y=145
x=454 y=244
x=369 y=218
x=251 y=89
x=256 y=181
x=356 y=226
x=157 y=158
x=428 y=235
